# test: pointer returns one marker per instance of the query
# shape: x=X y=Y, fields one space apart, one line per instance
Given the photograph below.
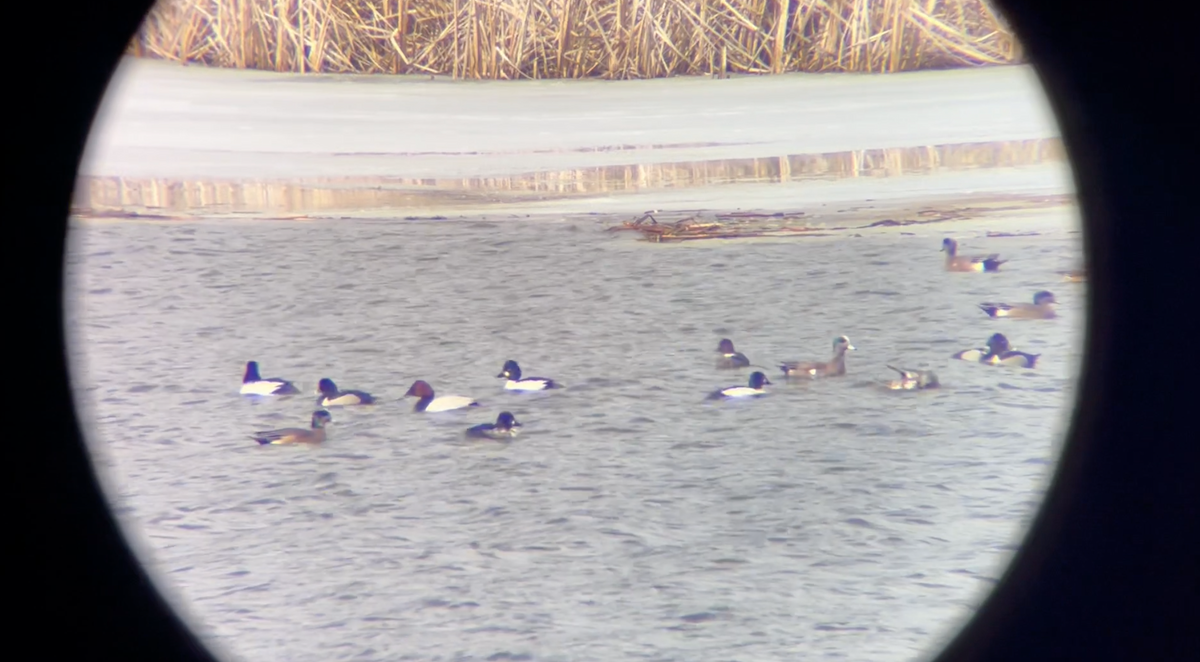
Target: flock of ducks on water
x=998 y=351
x=329 y=395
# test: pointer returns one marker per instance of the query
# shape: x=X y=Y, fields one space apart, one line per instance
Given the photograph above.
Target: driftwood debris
x=734 y=225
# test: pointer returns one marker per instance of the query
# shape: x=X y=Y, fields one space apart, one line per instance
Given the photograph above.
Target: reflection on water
x=329 y=194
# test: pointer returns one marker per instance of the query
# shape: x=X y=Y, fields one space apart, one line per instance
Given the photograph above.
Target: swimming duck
x=428 y=403
x=1041 y=308
x=833 y=368
x=253 y=384
x=913 y=380
x=1013 y=358
x=979 y=353
x=505 y=427
x=1001 y=353
x=512 y=372
x=315 y=434
x=998 y=352
x=331 y=396
x=730 y=358
x=956 y=262
x=755 y=388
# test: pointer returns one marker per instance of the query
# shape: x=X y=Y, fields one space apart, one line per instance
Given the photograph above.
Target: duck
x=1041 y=308
x=253 y=384
x=314 y=434
x=998 y=352
x=977 y=354
x=833 y=368
x=755 y=388
x=956 y=262
x=505 y=427
x=913 y=380
x=730 y=358
x=1001 y=353
x=1012 y=358
x=512 y=372
x=332 y=396
x=427 y=402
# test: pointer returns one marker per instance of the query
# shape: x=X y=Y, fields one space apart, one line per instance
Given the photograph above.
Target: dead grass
x=508 y=39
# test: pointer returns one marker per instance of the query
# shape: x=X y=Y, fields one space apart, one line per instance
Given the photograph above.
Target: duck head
x=506 y=421
x=998 y=343
x=327 y=387
x=758 y=380
x=421 y=389
x=511 y=371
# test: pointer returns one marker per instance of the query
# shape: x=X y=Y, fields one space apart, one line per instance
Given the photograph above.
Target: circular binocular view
x=553 y=330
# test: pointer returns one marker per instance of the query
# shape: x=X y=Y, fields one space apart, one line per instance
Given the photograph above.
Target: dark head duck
x=835 y=367
x=996 y=344
x=999 y=352
x=314 y=434
x=505 y=427
x=332 y=396
x=956 y=262
x=755 y=387
x=512 y=373
x=729 y=357
x=254 y=384
x=428 y=402
x=1041 y=308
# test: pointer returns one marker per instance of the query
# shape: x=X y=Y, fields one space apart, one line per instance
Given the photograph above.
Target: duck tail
x=993 y=264
x=988 y=308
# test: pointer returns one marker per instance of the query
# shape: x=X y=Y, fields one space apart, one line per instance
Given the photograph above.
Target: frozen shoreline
x=194 y=124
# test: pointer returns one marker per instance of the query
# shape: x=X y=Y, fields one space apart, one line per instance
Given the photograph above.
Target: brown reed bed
x=613 y=39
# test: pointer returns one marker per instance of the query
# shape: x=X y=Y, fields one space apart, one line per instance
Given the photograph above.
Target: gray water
x=632 y=519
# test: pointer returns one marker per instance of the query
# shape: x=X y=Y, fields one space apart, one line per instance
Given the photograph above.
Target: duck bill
x=503 y=374
x=850 y=347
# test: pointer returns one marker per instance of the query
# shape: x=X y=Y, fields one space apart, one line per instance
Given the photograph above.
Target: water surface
x=632 y=520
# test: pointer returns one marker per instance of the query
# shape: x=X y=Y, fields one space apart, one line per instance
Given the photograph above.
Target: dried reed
x=507 y=39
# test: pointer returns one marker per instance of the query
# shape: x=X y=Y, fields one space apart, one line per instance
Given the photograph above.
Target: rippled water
x=632 y=520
